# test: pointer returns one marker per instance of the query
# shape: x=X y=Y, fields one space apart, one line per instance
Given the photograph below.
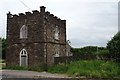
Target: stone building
x=35 y=38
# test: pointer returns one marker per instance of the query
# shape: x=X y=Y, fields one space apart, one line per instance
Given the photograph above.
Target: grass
x=89 y=69
x=17 y=67
x=92 y=69
x=2 y=63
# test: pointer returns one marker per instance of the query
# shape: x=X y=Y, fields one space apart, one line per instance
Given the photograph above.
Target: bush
x=105 y=51
x=89 y=50
x=114 y=47
x=2 y=48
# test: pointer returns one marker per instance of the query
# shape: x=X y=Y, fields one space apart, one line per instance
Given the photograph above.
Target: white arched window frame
x=23 y=32
x=23 y=52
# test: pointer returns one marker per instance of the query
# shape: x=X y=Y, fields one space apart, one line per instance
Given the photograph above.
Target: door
x=23 y=58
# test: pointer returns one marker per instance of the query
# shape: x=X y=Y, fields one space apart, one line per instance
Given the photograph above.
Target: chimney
x=42 y=9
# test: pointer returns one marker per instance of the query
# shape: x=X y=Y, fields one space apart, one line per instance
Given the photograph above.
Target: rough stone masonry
x=35 y=38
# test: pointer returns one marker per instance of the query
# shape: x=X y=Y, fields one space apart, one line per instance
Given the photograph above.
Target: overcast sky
x=89 y=22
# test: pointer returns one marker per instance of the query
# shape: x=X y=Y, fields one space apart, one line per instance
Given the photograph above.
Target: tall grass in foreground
x=2 y=63
x=96 y=69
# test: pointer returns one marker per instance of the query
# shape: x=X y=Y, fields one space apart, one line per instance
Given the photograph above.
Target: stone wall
x=35 y=54
x=40 y=43
x=52 y=50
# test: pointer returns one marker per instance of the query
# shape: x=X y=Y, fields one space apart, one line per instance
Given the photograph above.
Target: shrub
x=114 y=47
x=89 y=50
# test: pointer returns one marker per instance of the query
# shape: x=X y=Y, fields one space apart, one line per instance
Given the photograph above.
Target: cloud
x=97 y=24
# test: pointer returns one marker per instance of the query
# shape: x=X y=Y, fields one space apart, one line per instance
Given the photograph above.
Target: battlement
x=35 y=12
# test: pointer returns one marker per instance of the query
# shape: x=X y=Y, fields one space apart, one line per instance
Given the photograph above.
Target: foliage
x=93 y=69
x=114 y=47
x=88 y=50
x=61 y=68
x=104 y=51
x=2 y=48
x=17 y=67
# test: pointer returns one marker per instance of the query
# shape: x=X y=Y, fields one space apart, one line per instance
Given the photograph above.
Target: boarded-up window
x=56 y=33
x=23 y=32
x=57 y=51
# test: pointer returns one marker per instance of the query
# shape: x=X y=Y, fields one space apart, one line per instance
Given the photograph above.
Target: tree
x=90 y=50
x=114 y=47
x=2 y=48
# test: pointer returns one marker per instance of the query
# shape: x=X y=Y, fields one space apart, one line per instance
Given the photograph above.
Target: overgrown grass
x=37 y=68
x=61 y=68
x=2 y=63
x=92 y=69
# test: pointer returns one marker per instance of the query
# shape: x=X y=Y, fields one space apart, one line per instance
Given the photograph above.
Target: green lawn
x=92 y=69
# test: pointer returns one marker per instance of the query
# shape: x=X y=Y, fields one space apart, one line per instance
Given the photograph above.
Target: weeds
x=92 y=69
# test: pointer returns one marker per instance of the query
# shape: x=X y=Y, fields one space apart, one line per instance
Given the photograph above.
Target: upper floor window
x=23 y=32
x=56 y=33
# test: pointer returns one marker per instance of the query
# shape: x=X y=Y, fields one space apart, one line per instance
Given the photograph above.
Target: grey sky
x=89 y=22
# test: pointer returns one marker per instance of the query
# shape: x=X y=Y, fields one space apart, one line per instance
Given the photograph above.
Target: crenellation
x=51 y=15
x=55 y=17
x=55 y=20
x=48 y=13
x=35 y=12
x=21 y=14
x=58 y=19
x=28 y=13
x=15 y=16
x=63 y=21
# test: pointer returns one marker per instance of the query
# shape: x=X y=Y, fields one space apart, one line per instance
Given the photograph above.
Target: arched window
x=23 y=58
x=23 y=32
x=56 y=33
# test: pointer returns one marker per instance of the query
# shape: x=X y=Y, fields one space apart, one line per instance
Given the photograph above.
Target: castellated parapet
x=35 y=38
x=46 y=14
